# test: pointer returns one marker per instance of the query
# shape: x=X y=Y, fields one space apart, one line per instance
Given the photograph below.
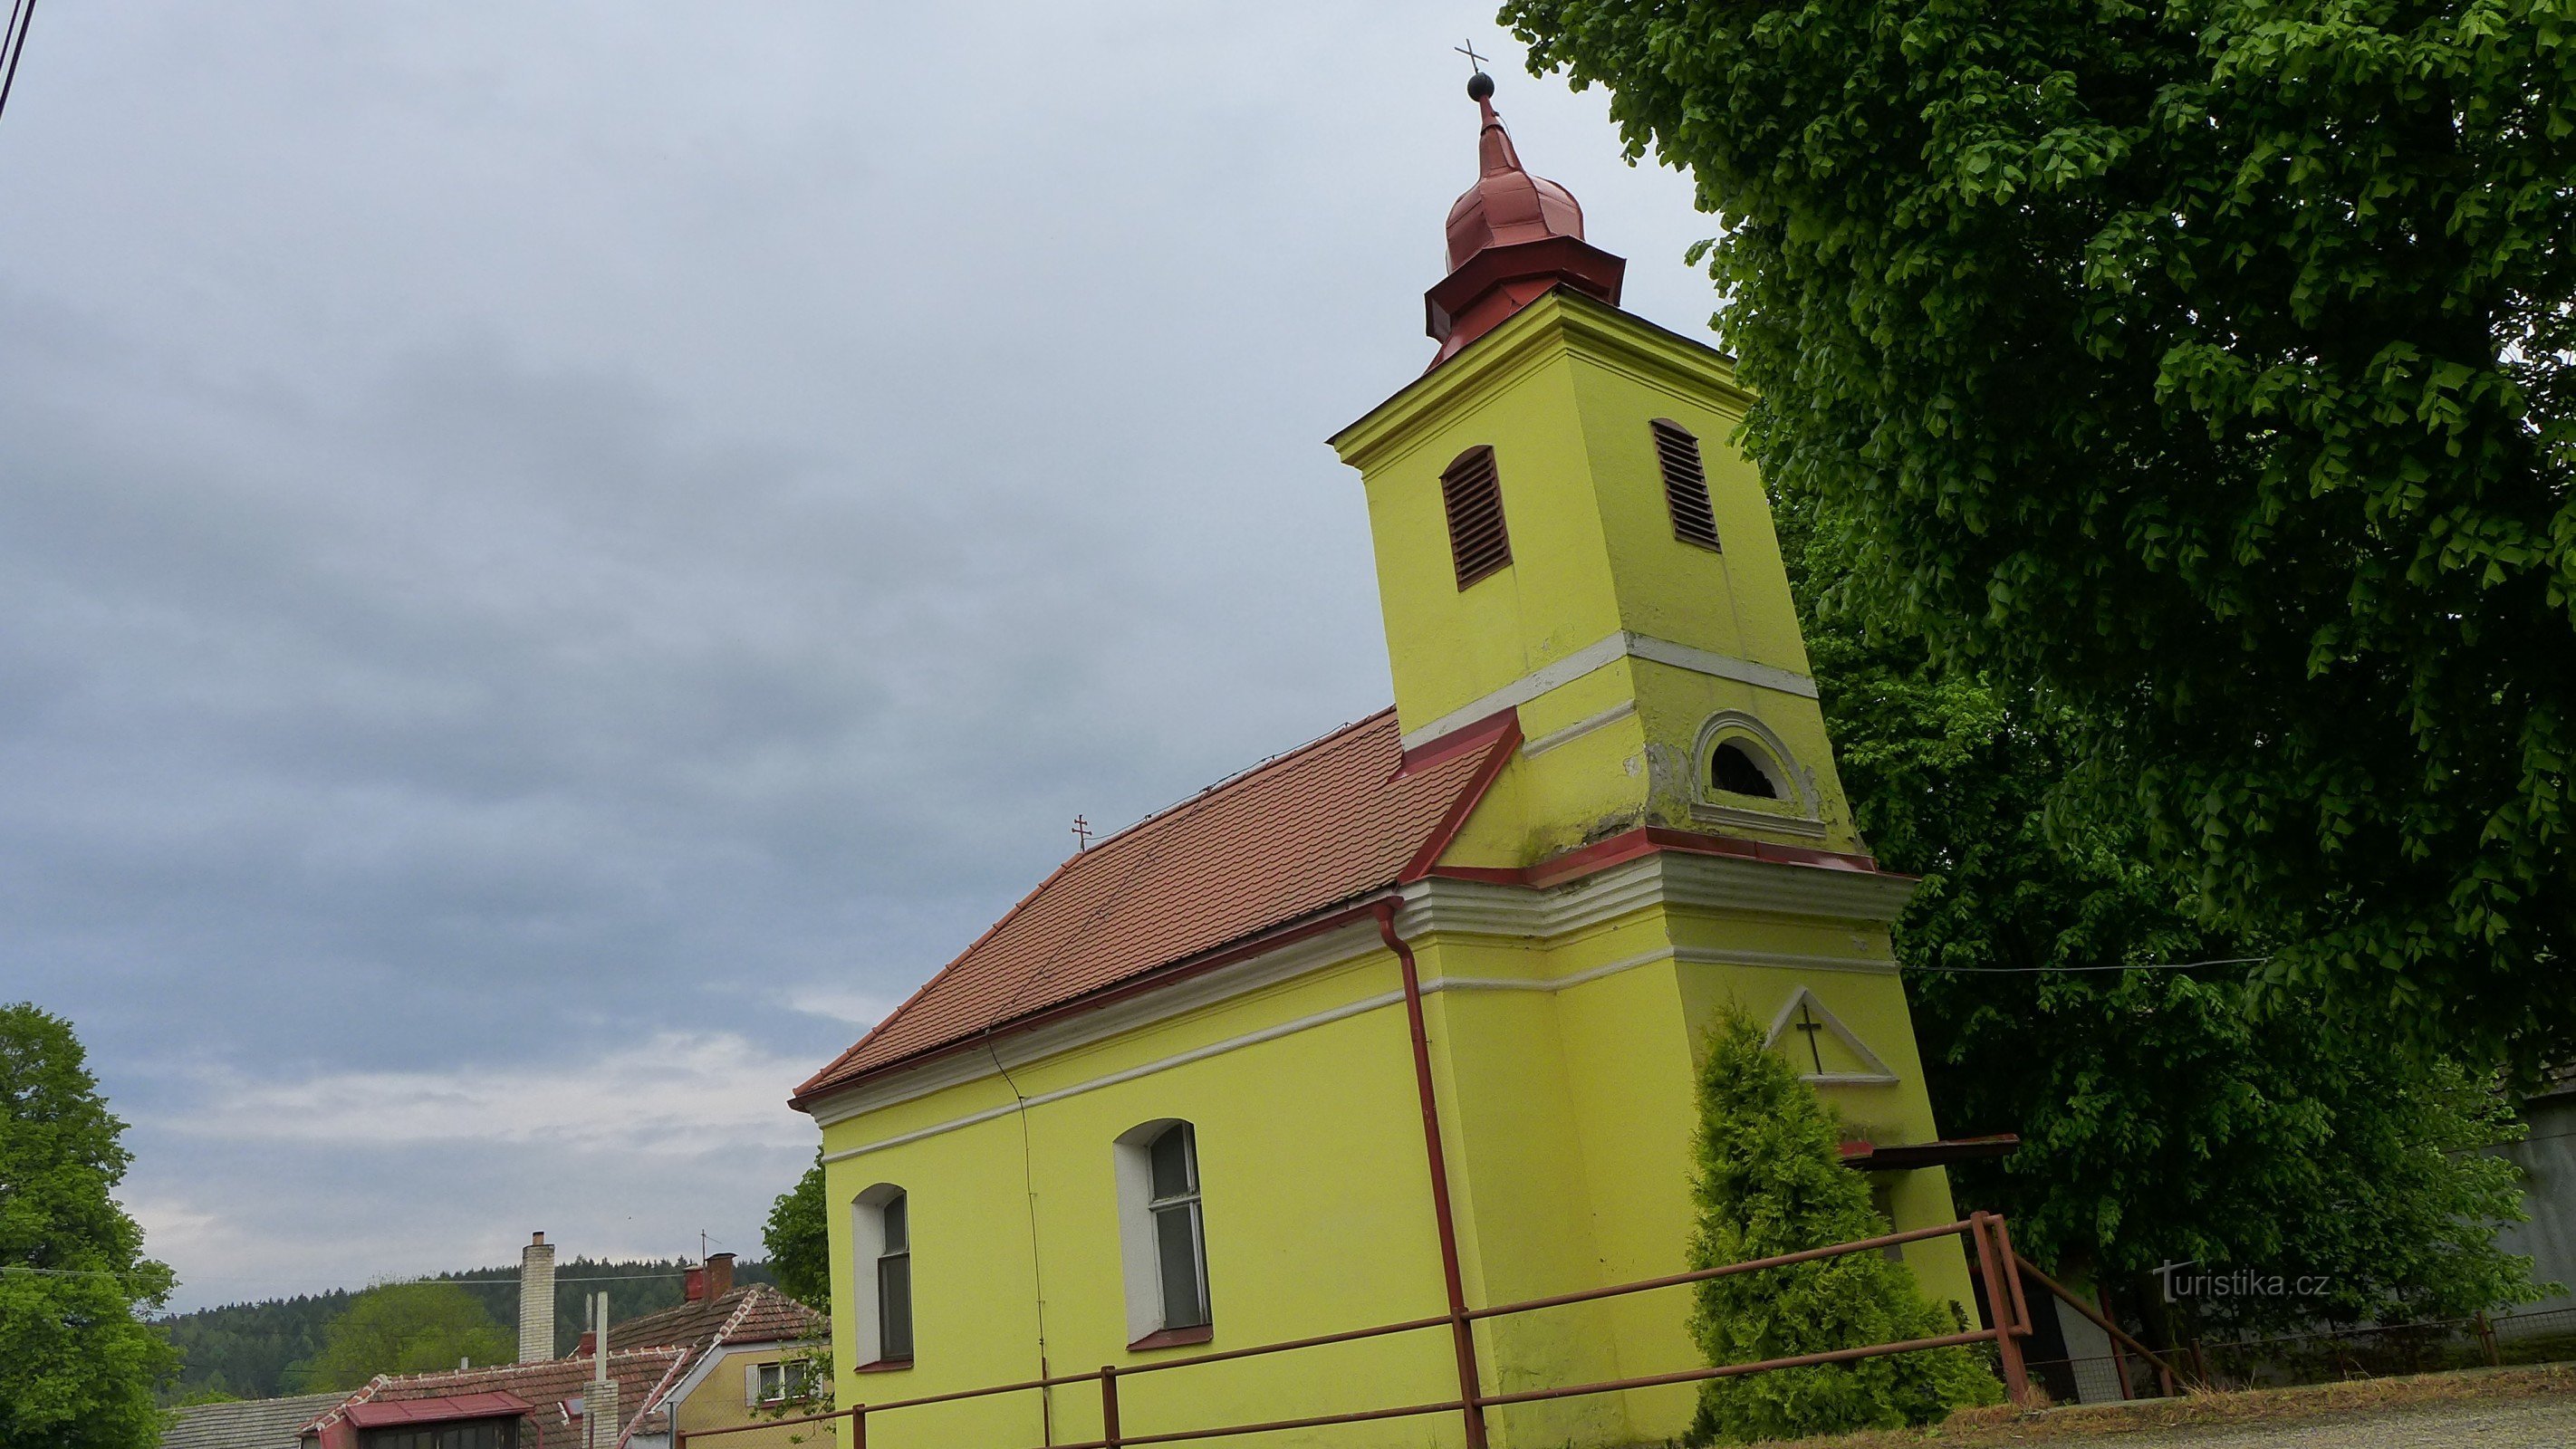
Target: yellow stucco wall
x=1567 y=1116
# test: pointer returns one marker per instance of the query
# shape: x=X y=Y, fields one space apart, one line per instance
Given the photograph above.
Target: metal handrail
x=1995 y=1261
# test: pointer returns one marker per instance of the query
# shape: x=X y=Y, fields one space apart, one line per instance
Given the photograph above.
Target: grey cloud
x=525 y=529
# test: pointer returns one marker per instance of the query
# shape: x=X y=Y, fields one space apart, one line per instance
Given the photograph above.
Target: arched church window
x=881 y=1232
x=1163 y=1229
x=1472 y=493
x=1685 y=483
x=1732 y=767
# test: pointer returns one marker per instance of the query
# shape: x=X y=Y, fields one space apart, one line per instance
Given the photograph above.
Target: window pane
x=1175 y=1170
x=897 y=1217
x=1176 y=1244
x=894 y=1308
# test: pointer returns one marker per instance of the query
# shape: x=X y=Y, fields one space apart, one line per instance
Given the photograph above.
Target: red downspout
x=1462 y=1333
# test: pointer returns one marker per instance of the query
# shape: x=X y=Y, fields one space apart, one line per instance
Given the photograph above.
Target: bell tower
x=1564 y=528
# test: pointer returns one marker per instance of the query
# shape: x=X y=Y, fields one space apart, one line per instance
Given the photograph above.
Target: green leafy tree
x=2213 y=365
x=78 y=1368
x=2164 y=1119
x=406 y=1328
x=1770 y=1180
x=799 y=1240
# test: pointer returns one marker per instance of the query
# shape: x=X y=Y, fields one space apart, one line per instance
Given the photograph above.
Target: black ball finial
x=1480 y=86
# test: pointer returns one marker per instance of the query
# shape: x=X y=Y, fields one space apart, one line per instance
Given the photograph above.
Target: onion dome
x=1513 y=237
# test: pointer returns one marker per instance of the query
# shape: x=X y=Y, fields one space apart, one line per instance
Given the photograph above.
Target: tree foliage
x=2163 y=1119
x=78 y=1369
x=1770 y=1180
x=406 y=1328
x=2213 y=365
x=799 y=1242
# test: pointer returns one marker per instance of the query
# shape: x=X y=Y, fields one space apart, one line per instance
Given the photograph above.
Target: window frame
x=894 y=1219
x=1148 y=1210
x=794 y=1378
x=868 y=1257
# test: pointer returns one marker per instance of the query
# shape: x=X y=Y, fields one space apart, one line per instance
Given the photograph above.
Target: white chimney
x=536 y=1300
x=599 y=1408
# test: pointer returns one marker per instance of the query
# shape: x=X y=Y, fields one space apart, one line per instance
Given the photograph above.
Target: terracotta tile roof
x=548 y=1385
x=247 y=1424
x=767 y=1316
x=1317 y=827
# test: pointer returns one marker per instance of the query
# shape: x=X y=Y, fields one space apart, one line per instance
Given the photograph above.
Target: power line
x=13 y=44
x=2044 y=970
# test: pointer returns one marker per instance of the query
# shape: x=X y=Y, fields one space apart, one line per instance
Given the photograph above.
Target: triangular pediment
x=1822 y=1048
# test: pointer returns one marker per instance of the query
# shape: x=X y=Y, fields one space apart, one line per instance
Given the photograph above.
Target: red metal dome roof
x=1513 y=238
x=1507 y=204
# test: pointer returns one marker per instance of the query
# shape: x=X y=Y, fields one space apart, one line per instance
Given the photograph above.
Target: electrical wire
x=2045 y=970
x=13 y=44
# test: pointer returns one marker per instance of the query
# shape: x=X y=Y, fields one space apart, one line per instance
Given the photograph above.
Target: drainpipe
x=1462 y=1333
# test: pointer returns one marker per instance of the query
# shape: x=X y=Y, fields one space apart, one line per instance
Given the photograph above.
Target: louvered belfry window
x=1473 y=495
x=1685 y=484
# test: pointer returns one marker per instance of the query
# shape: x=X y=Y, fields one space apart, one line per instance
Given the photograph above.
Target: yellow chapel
x=1403 y=1023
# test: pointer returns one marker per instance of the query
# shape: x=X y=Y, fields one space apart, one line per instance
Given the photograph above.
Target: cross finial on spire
x=1469 y=50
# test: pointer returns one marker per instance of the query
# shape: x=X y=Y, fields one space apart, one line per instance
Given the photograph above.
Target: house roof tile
x=246 y=1423
x=1322 y=825
x=768 y=1316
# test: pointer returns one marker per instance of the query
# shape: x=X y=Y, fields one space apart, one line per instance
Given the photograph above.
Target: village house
x=1406 y=1020
x=725 y=1356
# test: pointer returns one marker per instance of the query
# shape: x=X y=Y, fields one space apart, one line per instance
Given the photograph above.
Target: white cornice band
x=1600 y=654
x=1378 y=1002
x=1432 y=906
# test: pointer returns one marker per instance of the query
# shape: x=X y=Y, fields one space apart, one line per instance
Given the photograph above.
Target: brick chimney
x=719 y=1272
x=536 y=1300
x=693 y=1285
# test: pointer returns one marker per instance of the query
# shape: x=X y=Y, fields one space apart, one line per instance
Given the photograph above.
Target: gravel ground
x=2547 y=1423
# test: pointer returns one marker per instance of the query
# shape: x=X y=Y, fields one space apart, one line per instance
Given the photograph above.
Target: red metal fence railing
x=1987 y=1236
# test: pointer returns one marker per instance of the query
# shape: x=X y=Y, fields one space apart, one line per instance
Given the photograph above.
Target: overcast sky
x=557 y=557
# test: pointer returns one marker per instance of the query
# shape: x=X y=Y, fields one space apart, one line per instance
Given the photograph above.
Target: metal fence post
x=1999 y=1309
x=858 y=1427
x=1110 y=1432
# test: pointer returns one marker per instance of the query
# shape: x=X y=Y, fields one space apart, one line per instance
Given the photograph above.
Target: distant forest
x=252 y=1350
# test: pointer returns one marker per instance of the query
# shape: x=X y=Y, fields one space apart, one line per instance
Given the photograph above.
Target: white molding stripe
x=1579 y=729
x=1722 y=666
x=1547 y=983
x=1438 y=904
x=1686 y=955
x=1786 y=961
x=1708 y=882
x=1600 y=654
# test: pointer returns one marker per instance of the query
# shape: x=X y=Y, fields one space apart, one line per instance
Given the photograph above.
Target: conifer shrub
x=1770 y=1180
